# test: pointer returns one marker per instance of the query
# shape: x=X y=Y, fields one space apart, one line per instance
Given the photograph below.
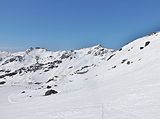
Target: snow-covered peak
x=141 y=43
x=35 y=50
x=4 y=54
x=97 y=46
x=97 y=50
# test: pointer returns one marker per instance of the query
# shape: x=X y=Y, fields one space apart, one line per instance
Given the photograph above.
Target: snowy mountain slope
x=92 y=83
x=41 y=67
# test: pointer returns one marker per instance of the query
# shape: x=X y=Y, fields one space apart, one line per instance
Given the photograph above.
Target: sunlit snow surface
x=123 y=84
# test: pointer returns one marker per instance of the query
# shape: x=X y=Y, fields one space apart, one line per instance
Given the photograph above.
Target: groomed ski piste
x=89 y=83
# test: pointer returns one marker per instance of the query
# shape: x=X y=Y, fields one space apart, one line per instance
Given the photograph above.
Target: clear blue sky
x=71 y=24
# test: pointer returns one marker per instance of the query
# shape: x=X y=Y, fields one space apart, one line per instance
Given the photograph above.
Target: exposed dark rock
x=19 y=58
x=98 y=51
x=81 y=72
x=58 y=61
x=11 y=74
x=120 y=49
x=152 y=33
x=65 y=55
x=20 y=71
x=147 y=43
x=46 y=70
x=139 y=59
x=38 y=83
x=141 y=48
x=98 y=46
x=51 y=66
x=128 y=62
x=110 y=57
x=70 y=67
x=102 y=49
x=49 y=87
x=16 y=58
x=50 y=80
x=2 y=82
x=37 y=47
x=30 y=83
x=29 y=50
x=114 y=66
x=123 y=61
x=7 y=71
x=84 y=67
x=34 y=68
x=23 y=92
x=2 y=70
x=55 y=85
x=89 y=52
x=2 y=76
x=49 y=92
x=71 y=58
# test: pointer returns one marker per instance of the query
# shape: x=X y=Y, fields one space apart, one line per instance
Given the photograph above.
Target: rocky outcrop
x=49 y=92
x=2 y=82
